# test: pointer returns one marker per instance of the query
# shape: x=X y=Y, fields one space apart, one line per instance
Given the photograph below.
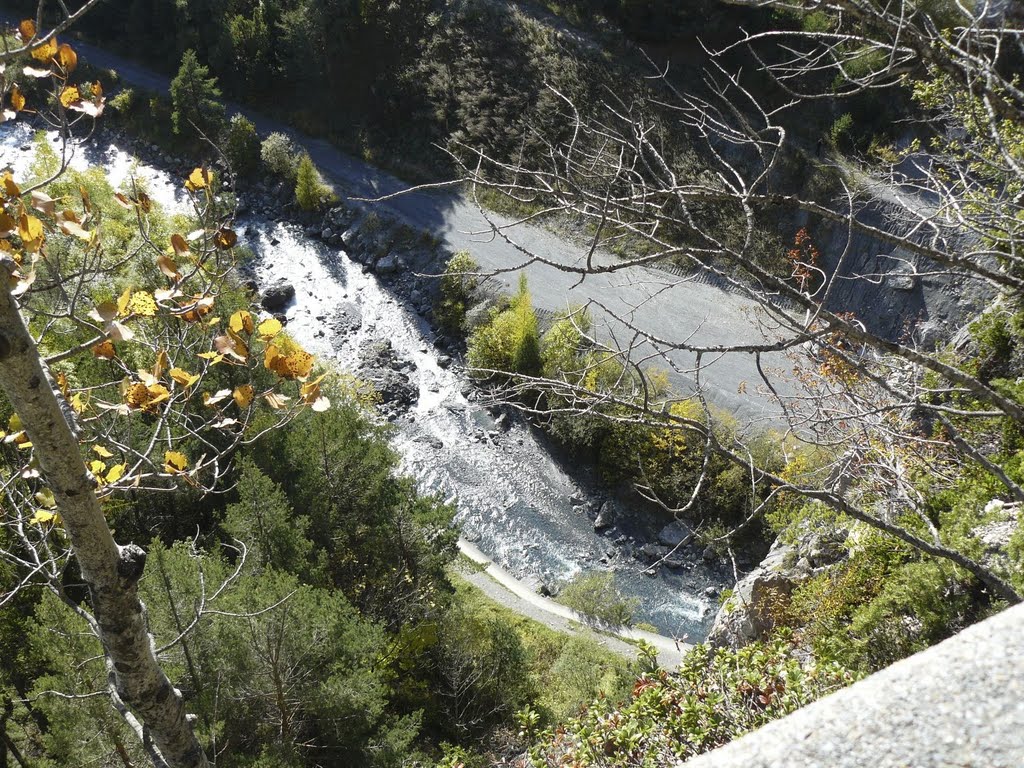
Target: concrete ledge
x=959 y=704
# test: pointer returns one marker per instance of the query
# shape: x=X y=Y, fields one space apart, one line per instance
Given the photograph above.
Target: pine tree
x=195 y=97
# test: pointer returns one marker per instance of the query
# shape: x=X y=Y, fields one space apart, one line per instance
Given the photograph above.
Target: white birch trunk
x=112 y=580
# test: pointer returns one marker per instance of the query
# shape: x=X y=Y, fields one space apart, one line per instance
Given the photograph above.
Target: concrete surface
x=959 y=704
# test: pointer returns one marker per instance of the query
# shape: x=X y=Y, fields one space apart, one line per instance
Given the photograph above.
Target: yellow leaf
x=241 y=320
x=183 y=377
x=157 y=394
x=70 y=95
x=75 y=229
x=122 y=303
x=115 y=473
x=198 y=179
x=243 y=395
x=160 y=365
x=45 y=499
x=219 y=397
x=119 y=332
x=67 y=57
x=46 y=51
x=232 y=345
x=213 y=357
x=104 y=312
x=197 y=309
x=225 y=238
x=175 y=462
x=12 y=189
x=105 y=350
x=178 y=244
x=97 y=467
x=43 y=202
x=78 y=402
x=140 y=396
x=142 y=304
x=17 y=99
x=276 y=401
x=29 y=227
x=269 y=328
x=102 y=452
x=168 y=266
x=41 y=517
x=297 y=364
x=27 y=30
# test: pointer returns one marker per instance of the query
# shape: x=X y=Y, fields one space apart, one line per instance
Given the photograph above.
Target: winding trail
x=504 y=588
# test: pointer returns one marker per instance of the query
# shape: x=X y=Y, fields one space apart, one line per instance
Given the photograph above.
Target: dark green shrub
x=241 y=145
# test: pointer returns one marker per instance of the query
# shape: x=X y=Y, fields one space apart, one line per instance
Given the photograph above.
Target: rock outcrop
x=762 y=596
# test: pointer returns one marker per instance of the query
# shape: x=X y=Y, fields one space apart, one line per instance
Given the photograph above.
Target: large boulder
x=277 y=296
x=675 y=534
x=381 y=367
x=762 y=596
x=751 y=611
x=607 y=516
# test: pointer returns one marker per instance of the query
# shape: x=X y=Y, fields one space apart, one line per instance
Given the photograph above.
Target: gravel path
x=502 y=587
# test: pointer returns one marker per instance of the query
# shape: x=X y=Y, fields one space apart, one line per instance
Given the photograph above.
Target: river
x=515 y=500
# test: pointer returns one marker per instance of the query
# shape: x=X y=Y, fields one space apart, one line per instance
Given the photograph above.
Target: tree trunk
x=112 y=578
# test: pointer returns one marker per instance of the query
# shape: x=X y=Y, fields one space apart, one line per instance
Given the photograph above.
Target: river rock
x=654 y=552
x=387 y=265
x=349 y=237
x=675 y=534
x=277 y=295
x=607 y=516
x=346 y=319
x=382 y=368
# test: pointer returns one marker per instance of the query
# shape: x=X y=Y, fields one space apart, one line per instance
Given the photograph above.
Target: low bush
x=279 y=156
x=595 y=596
x=458 y=286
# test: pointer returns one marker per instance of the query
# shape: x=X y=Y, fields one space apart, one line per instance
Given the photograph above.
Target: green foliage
x=595 y=596
x=262 y=519
x=241 y=146
x=716 y=696
x=311 y=193
x=840 y=134
x=458 y=287
x=196 y=99
x=482 y=673
x=564 y=671
x=279 y=156
x=381 y=543
x=562 y=347
x=510 y=342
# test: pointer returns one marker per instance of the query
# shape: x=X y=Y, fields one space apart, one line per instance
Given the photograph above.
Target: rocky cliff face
x=760 y=599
